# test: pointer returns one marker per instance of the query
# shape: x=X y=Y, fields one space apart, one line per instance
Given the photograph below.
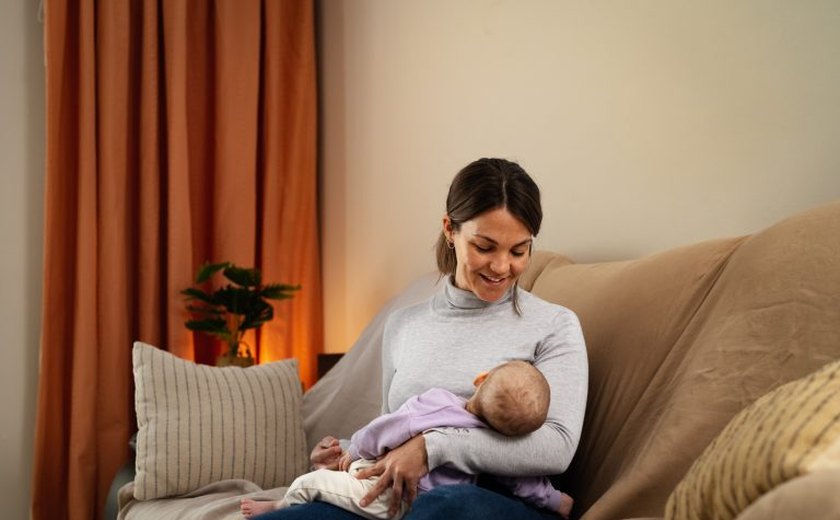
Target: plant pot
x=227 y=360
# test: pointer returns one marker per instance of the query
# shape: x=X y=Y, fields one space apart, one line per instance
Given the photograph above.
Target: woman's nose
x=500 y=264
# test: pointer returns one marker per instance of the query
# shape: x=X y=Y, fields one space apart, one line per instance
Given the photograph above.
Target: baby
x=512 y=398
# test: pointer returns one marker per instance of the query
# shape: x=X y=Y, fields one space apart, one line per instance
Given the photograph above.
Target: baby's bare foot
x=566 y=503
x=251 y=508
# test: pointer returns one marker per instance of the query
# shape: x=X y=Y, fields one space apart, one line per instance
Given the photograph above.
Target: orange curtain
x=178 y=131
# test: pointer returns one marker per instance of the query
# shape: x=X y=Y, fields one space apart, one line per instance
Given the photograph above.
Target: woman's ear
x=447 y=227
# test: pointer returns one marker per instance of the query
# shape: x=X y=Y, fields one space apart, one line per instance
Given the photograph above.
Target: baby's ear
x=480 y=378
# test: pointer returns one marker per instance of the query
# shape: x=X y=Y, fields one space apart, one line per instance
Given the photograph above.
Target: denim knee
x=470 y=502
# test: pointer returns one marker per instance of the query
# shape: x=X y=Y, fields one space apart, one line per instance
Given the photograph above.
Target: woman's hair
x=514 y=398
x=485 y=185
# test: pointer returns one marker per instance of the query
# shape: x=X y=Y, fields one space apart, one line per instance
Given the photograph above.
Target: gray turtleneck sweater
x=446 y=341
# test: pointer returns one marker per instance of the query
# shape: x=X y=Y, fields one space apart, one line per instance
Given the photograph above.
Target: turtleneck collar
x=462 y=299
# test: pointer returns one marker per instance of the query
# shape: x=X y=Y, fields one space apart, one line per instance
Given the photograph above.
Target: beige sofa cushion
x=785 y=434
x=681 y=341
x=632 y=314
x=199 y=424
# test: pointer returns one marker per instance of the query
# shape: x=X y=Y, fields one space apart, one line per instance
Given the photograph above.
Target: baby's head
x=512 y=398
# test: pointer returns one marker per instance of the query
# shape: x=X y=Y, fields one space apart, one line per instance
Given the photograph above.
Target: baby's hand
x=344 y=461
x=325 y=454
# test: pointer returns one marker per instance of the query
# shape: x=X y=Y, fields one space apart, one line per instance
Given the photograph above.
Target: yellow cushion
x=789 y=432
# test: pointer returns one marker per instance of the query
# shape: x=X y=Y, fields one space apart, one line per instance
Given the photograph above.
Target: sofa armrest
x=124 y=475
x=813 y=496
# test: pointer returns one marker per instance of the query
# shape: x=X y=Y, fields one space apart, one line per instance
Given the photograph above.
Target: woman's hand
x=326 y=454
x=400 y=469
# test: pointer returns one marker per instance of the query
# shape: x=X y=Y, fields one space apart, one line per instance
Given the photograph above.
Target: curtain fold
x=178 y=132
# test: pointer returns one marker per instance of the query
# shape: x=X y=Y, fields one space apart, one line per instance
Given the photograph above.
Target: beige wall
x=647 y=124
x=21 y=206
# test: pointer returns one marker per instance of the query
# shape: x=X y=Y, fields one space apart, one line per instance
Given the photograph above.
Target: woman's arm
x=561 y=357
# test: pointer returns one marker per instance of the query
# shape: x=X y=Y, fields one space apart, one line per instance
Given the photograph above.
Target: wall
x=647 y=124
x=21 y=207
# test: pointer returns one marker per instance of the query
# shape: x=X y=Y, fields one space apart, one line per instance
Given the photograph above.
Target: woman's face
x=492 y=250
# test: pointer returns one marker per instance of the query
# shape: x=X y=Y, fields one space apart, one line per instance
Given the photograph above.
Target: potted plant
x=233 y=308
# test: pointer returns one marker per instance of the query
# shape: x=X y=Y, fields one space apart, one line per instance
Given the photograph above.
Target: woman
x=479 y=319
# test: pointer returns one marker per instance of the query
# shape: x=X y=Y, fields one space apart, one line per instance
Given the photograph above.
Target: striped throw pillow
x=789 y=432
x=199 y=424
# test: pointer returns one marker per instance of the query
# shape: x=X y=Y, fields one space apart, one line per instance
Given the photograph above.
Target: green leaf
x=243 y=277
x=234 y=299
x=259 y=312
x=197 y=294
x=279 y=291
x=208 y=270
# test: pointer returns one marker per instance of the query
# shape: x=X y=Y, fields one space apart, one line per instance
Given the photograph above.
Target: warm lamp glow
x=273 y=344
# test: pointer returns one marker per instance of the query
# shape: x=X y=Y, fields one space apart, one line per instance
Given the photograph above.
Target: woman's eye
x=483 y=249
x=518 y=253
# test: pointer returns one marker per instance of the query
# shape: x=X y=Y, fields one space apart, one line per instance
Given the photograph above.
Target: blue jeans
x=461 y=501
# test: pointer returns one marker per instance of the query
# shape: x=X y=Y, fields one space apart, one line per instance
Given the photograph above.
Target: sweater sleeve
x=561 y=357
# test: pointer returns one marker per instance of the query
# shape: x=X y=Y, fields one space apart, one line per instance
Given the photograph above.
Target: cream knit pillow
x=788 y=432
x=199 y=424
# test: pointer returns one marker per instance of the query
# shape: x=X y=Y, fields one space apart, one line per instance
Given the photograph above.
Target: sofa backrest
x=680 y=341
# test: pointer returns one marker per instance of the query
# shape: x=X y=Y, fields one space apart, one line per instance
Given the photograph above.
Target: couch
x=702 y=360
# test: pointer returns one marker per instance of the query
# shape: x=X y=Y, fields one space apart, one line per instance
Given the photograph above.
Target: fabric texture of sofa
x=679 y=343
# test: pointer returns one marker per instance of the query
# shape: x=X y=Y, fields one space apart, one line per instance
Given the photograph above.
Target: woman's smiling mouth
x=493 y=281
